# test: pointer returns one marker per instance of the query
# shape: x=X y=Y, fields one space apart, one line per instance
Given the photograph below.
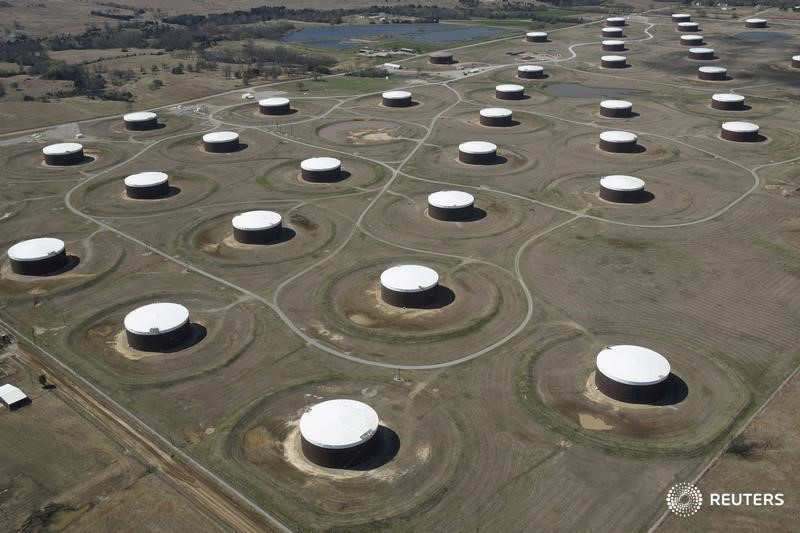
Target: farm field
x=75 y=476
x=490 y=392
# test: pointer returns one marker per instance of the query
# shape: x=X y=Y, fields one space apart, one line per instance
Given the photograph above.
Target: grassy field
x=763 y=459
x=67 y=474
x=490 y=393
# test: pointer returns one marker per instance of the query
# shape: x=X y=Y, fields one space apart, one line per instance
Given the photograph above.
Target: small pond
x=762 y=36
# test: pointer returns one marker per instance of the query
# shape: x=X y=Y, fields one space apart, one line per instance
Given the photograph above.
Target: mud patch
x=593 y=422
x=361 y=132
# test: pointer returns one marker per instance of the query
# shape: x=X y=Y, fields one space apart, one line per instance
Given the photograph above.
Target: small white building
x=12 y=397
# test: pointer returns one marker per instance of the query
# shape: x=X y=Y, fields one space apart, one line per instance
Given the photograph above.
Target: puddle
x=763 y=36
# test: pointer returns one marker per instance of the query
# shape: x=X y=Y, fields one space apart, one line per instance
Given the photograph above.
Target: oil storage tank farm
x=63 y=154
x=321 y=169
x=612 y=61
x=339 y=433
x=477 y=152
x=727 y=101
x=140 y=121
x=622 y=189
x=691 y=40
x=712 y=73
x=36 y=257
x=440 y=58
x=613 y=45
x=530 y=72
x=411 y=286
x=157 y=327
x=257 y=227
x=147 y=185
x=755 y=23
x=396 y=99
x=618 y=141
x=509 y=91
x=688 y=26
x=220 y=142
x=451 y=205
x=536 y=37
x=632 y=374
x=740 y=131
x=701 y=53
x=496 y=117
x=616 y=108
x=277 y=105
x=611 y=32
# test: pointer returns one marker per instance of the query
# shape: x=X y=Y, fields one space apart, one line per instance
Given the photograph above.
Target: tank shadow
x=72 y=262
x=386 y=449
x=677 y=391
x=197 y=333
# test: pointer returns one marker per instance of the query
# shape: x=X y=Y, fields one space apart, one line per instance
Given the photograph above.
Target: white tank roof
x=529 y=68
x=409 y=278
x=756 y=20
x=220 y=137
x=320 y=164
x=612 y=29
x=681 y=15
x=495 y=112
x=11 y=394
x=613 y=42
x=139 y=116
x=616 y=104
x=701 y=50
x=795 y=58
x=713 y=70
x=146 y=179
x=477 y=147
x=510 y=88
x=633 y=365
x=728 y=97
x=536 y=34
x=256 y=220
x=275 y=101
x=740 y=127
x=62 y=149
x=396 y=95
x=613 y=58
x=157 y=318
x=694 y=37
x=618 y=136
x=36 y=249
x=618 y=182
x=688 y=24
x=450 y=199
x=338 y=424
x=615 y=19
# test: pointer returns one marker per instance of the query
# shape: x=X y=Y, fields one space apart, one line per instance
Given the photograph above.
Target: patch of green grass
x=339 y=85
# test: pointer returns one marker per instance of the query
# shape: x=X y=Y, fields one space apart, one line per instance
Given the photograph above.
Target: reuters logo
x=684 y=499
